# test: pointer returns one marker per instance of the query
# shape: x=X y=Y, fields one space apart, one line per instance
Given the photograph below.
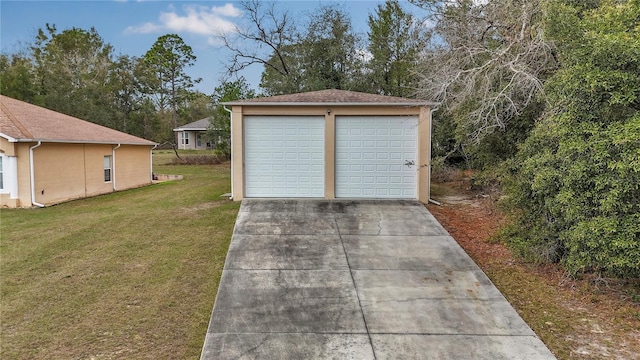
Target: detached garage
x=331 y=144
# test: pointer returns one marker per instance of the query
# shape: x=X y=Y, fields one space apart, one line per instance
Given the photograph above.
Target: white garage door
x=376 y=156
x=284 y=156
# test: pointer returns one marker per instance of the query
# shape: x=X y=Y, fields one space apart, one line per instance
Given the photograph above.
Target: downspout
x=151 y=160
x=32 y=175
x=113 y=165
x=431 y=111
x=231 y=145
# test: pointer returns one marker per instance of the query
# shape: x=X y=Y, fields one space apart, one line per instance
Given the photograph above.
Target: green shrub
x=573 y=188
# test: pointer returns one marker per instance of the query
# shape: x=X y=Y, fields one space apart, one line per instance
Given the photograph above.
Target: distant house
x=47 y=157
x=191 y=136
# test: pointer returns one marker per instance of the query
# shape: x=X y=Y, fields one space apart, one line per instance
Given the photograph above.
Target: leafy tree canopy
x=219 y=131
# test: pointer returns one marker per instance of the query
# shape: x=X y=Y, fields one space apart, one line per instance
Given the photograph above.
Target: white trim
x=189 y=129
x=230 y=144
x=151 y=143
x=431 y=111
x=308 y=103
x=13 y=179
x=3 y=167
x=184 y=135
x=32 y=175
x=9 y=176
x=9 y=138
x=110 y=168
x=151 y=164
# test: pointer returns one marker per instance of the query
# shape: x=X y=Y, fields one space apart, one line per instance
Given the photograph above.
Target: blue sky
x=132 y=26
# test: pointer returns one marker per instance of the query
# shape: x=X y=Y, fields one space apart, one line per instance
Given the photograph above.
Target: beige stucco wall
x=133 y=166
x=59 y=173
x=64 y=172
x=330 y=113
x=7 y=147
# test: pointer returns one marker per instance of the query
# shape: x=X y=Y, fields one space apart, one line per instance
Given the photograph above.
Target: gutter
x=113 y=165
x=8 y=138
x=230 y=145
x=150 y=143
x=32 y=175
x=151 y=161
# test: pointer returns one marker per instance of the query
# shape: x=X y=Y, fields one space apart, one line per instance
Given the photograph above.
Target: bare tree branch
x=267 y=28
x=487 y=59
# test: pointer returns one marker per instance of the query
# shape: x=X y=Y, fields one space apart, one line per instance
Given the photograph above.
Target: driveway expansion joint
x=364 y=319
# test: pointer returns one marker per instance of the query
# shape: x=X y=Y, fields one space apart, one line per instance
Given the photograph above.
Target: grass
x=131 y=274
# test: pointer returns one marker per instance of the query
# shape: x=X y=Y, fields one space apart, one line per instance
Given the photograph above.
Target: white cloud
x=227 y=10
x=145 y=28
x=196 y=19
x=364 y=55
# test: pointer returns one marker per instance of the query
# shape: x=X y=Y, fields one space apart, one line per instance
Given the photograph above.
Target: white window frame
x=185 y=138
x=108 y=168
x=9 y=176
x=2 y=165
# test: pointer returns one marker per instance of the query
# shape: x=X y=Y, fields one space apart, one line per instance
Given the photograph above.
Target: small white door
x=376 y=157
x=284 y=156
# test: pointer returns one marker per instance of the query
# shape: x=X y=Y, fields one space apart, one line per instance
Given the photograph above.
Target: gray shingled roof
x=332 y=97
x=22 y=122
x=202 y=124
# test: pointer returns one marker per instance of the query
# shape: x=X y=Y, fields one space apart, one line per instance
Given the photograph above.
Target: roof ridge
x=337 y=97
x=16 y=122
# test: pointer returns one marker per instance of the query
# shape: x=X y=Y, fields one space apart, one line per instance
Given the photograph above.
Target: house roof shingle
x=21 y=121
x=332 y=97
x=202 y=124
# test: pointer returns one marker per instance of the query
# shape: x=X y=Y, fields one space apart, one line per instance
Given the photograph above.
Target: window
x=107 y=169
x=185 y=138
x=1 y=174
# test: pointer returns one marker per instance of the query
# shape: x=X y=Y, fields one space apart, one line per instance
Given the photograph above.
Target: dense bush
x=574 y=188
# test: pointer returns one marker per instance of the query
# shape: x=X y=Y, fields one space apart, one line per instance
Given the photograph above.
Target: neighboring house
x=47 y=157
x=331 y=144
x=191 y=136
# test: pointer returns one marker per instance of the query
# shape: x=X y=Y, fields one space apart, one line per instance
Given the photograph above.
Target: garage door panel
x=371 y=153
x=284 y=156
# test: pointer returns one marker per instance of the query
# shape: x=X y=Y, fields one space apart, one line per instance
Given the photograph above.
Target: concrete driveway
x=314 y=279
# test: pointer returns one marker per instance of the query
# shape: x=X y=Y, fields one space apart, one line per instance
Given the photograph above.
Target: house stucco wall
x=133 y=166
x=193 y=140
x=65 y=172
x=424 y=138
x=59 y=173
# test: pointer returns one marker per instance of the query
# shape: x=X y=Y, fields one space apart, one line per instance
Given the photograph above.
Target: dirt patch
x=588 y=318
x=452 y=199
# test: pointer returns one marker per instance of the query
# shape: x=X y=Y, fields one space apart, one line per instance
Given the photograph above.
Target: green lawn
x=126 y=275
